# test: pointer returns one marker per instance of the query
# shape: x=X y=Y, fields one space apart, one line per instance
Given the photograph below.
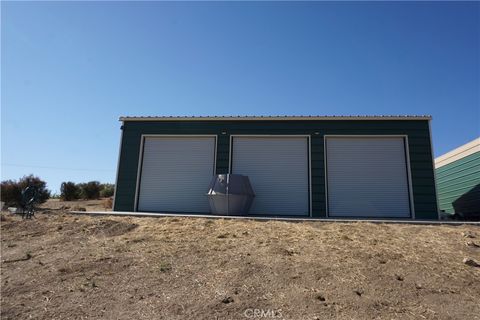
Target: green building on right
x=458 y=181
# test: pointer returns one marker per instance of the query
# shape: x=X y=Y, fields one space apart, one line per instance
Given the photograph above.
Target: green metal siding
x=458 y=185
x=417 y=131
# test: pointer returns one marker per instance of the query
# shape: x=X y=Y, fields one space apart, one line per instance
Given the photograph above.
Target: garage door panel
x=176 y=172
x=367 y=177
x=278 y=171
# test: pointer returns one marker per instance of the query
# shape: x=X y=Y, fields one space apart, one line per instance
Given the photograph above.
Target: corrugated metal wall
x=458 y=185
x=417 y=131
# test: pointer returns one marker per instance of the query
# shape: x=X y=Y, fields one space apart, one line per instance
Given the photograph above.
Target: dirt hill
x=64 y=266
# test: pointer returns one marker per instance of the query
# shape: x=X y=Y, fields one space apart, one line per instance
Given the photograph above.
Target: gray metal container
x=230 y=194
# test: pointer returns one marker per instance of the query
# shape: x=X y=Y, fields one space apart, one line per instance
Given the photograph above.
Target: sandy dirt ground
x=65 y=266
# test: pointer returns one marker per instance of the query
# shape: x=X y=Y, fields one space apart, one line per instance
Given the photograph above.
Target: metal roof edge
x=272 y=118
x=458 y=153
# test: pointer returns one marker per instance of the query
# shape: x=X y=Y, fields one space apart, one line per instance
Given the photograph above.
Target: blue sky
x=69 y=70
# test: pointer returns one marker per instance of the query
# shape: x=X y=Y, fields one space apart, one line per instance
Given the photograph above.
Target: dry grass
x=185 y=268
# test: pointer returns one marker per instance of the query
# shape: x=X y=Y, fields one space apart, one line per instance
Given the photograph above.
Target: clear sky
x=69 y=70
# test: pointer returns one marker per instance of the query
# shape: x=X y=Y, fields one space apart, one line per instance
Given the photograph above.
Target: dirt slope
x=62 y=266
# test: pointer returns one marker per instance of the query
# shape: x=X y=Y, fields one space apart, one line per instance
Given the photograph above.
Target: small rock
x=399 y=277
x=359 y=292
x=320 y=297
x=227 y=300
x=471 y=262
x=418 y=286
x=290 y=252
x=468 y=234
x=472 y=244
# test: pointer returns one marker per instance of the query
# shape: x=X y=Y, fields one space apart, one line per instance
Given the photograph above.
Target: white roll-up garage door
x=367 y=177
x=278 y=169
x=175 y=174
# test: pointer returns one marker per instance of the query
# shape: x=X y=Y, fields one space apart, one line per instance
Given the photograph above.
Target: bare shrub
x=108 y=203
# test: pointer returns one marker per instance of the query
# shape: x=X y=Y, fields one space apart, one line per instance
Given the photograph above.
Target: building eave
x=458 y=153
x=274 y=118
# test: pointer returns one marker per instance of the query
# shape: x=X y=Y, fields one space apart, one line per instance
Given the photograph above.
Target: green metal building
x=458 y=180
x=300 y=166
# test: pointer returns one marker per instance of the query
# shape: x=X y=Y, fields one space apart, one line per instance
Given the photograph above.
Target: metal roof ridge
x=277 y=117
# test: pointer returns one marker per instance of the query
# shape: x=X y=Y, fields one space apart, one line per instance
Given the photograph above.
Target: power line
x=54 y=168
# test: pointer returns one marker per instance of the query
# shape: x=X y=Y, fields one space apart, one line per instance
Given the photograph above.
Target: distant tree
x=11 y=190
x=90 y=190
x=11 y=193
x=69 y=191
x=107 y=190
